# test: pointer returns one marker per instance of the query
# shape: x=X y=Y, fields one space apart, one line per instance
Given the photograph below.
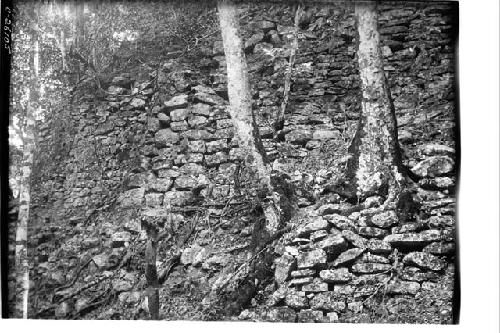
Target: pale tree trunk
x=280 y=119
x=79 y=24
x=78 y=31
x=94 y=57
x=242 y=116
x=62 y=47
x=152 y=292
x=376 y=162
x=22 y=263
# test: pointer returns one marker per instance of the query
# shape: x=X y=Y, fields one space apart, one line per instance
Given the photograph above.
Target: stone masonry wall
x=162 y=138
x=166 y=139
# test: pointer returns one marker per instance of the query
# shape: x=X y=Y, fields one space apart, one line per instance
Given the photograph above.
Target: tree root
x=399 y=198
x=383 y=284
x=73 y=294
x=85 y=287
x=75 y=278
x=175 y=260
x=238 y=288
x=94 y=304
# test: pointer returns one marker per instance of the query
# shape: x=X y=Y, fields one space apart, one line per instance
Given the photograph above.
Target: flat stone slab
x=329 y=209
x=378 y=246
x=355 y=307
x=179 y=114
x=354 y=238
x=372 y=232
x=403 y=288
x=281 y=314
x=327 y=301
x=363 y=291
x=186 y=182
x=441 y=221
x=202 y=88
x=437 y=149
x=200 y=109
x=118 y=239
x=296 y=299
x=348 y=256
x=333 y=244
x=326 y=134
x=368 y=257
x=300 y=240
x=411 y=273
x=301 y=281
x=413 y=240
x=438 y=183
x=303 y=273
x=132 y=198
x=411 y=227
x=385 y=219
x=299 y=136
x=316 y=286
x=292 y=250
x=343 y=290
x=335 y=275
x=370 y=268
x=331 y=317
x=311 y=259
x=153 y=199
x=310 y=316
x=114 y=90
x=210 y=99
x=340 y=222
x=102 y=261
x=196 y=134
x=166 y=137
x=371 y=279
x=424 y=260
x=137 y=103
x=434 y=166
x=440 y=248
x=318 y=235
x=177 y=102
x=317 y=223
x=163 y=118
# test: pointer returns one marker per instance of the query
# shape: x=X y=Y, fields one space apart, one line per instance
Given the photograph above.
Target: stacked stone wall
x=166 y=139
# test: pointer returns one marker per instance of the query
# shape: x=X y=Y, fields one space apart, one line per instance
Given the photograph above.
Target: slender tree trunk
x=78 y=31
x=280 y=119
x=22 y=263
x=79 y=24
x=62 y=47
x=375 y=165
x=94 y=57
x=242 y=116
x=152 y=292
